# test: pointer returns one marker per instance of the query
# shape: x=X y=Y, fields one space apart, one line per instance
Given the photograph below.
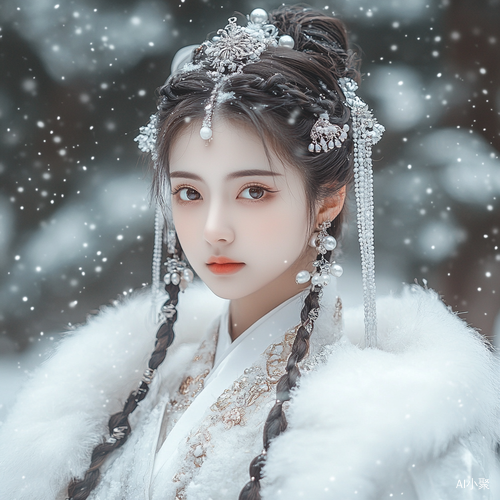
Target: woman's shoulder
x=65 y=405
x=373 y=414
x=415 y=317
x=109 y=352
x=426 y=352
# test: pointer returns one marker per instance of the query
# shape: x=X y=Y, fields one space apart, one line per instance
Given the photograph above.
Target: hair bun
x=322 y=36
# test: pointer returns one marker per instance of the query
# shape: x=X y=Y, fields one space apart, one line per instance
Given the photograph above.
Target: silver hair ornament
x=311 y=318
x=326 y=136
x=148 y=376
x=118 y=433
x=146 y=140
x=226 y=54
x=321 y=277
x=178 y=273
x=157 y=251
x=231 y=50
x=171 y=241
x=366 y=132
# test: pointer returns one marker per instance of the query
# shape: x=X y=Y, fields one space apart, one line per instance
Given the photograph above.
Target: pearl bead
x=337 y=270
x=317 y=280
x=302 y=277
x=175 y=279
x=166 y=279
x=286 y=41
x=312 y=241
x=258 y=16
x=206 y=133
x=326 y=279
x=329 y=242
x=187 y=275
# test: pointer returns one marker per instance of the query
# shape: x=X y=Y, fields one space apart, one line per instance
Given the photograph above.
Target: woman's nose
x=218 y=228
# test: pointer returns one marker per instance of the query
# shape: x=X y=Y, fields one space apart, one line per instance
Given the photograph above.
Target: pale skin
x=228 y=201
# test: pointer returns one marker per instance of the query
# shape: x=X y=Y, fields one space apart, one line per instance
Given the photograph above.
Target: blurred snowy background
x=78 y=80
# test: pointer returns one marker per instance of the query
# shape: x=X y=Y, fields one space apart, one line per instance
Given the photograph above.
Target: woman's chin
x=225 y=291
x=232 y=287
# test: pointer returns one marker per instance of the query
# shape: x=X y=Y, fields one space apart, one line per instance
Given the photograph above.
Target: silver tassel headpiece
x=366 y=132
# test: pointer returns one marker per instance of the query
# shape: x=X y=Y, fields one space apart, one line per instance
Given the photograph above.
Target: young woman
x=276 y=392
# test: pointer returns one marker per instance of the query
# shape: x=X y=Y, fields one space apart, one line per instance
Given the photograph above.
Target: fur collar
x=369 y=416
x=366 y=416
x=62 y=413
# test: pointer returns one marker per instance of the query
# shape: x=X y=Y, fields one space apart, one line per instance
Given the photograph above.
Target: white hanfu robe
x=241 y=382
x=416 y=418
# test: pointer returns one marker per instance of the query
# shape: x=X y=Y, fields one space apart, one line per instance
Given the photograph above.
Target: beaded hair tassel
x=366 y=132
x=156 y=264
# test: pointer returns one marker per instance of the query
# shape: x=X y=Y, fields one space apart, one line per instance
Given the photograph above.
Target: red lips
x=223 y=265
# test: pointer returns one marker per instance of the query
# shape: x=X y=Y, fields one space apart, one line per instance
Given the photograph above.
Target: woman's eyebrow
x=251 y=173
x=233 y=175
x=185 y=175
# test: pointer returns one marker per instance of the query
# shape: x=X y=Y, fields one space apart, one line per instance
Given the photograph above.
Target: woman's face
x=241 y=223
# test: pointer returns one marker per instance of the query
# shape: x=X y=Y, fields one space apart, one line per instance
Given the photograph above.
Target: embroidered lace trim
x=250 y=392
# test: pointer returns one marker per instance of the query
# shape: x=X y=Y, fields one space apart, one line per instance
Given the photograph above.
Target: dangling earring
x=324 y=243
x=178 y=272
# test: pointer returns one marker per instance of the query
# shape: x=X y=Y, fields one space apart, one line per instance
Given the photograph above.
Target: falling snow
x=78 y=80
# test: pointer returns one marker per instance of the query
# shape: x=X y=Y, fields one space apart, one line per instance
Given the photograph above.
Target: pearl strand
x=363 y=175
x=156 y=264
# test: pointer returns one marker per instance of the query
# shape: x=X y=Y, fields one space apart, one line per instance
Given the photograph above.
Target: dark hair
x=119 y=424
x=280 y=96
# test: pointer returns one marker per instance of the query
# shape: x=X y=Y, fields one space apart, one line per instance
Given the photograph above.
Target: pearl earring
x=324 y=243
x=178 y=272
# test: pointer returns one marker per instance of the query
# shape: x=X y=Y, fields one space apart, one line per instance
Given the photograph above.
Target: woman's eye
x=189 y=194
x=253 y=193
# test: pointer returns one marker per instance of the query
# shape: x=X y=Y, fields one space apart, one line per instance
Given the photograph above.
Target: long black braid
x=276 y=422
x=119 y=425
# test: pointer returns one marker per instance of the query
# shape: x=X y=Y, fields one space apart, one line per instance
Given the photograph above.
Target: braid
x=119 y=425
x=276 y=422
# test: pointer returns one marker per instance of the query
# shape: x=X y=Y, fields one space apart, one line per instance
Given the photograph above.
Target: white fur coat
x=359 y=425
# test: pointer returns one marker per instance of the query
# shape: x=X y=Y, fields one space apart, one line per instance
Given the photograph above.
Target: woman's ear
x=330 y=207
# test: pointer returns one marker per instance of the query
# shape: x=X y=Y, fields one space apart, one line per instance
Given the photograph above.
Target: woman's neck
x=244 y=312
